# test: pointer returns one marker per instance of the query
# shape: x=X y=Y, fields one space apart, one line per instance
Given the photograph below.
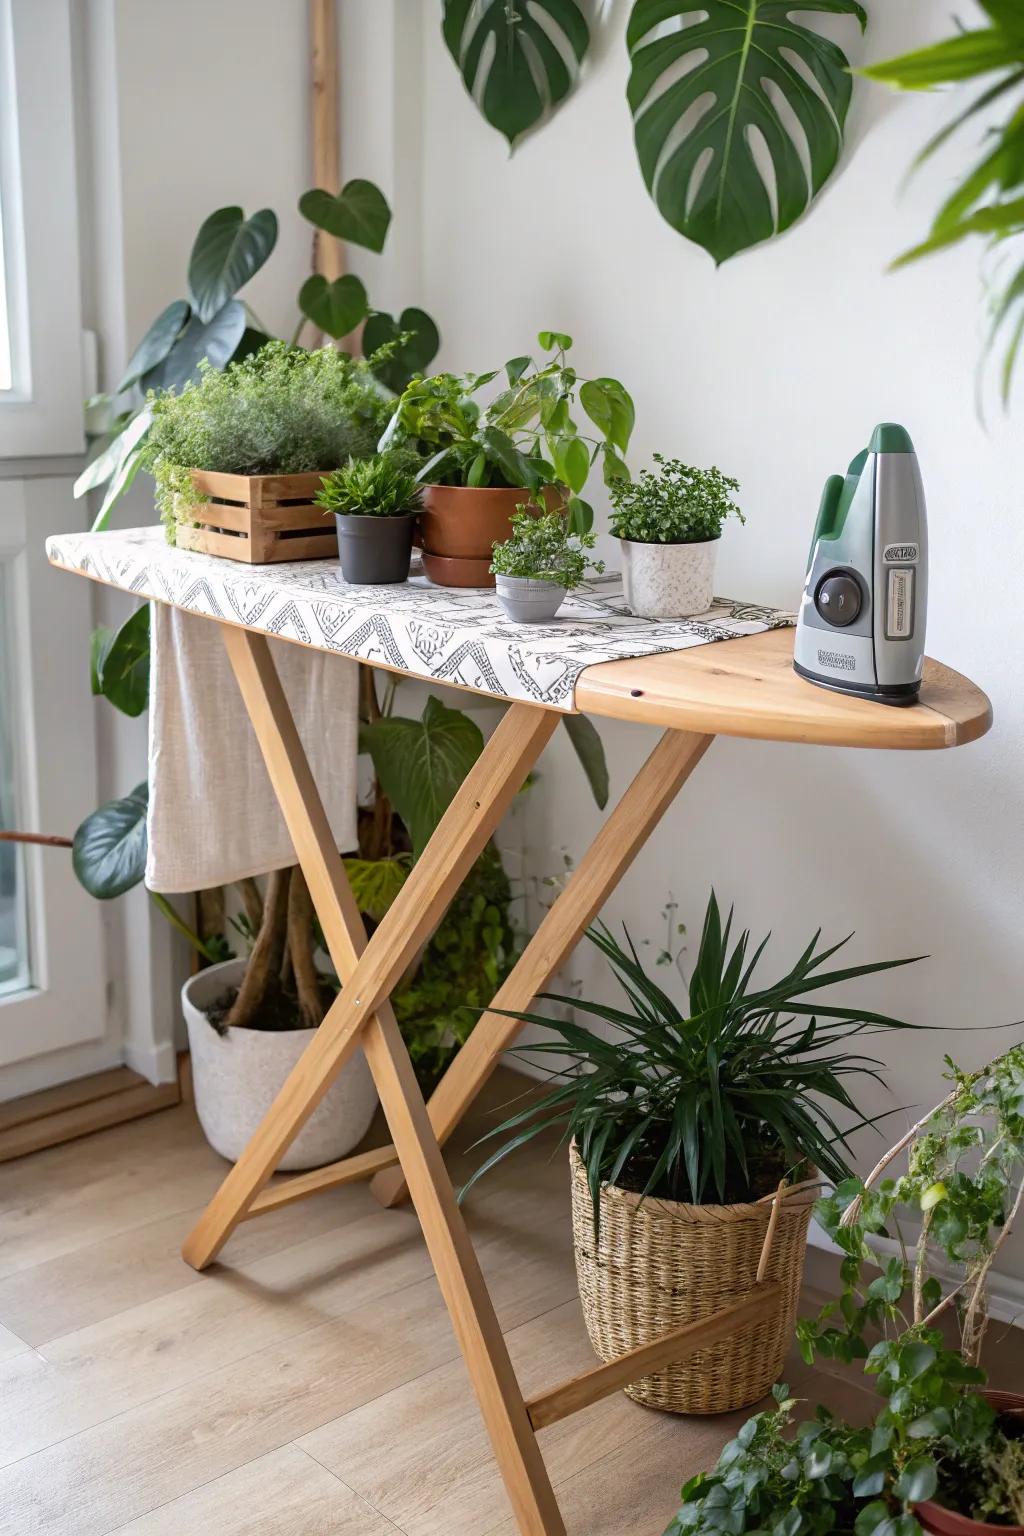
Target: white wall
x=776 y=367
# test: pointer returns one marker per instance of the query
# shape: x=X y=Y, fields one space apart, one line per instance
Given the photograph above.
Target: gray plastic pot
x=528 y=600
x=375 y=551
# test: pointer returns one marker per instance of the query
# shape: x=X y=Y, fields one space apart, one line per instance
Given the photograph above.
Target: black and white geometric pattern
x=446 y=634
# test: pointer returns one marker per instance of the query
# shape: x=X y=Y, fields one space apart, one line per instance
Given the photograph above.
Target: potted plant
x=668 y=525
x=943 y=1454
x=480 y=458
x=238 y=455
x=374 y=502
x=682 y=1127
x=539 y=564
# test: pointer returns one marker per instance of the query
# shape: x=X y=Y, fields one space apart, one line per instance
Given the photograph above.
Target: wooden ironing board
x=740 y=687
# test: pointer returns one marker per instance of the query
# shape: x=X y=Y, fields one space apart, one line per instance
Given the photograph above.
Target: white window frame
x=42 y=414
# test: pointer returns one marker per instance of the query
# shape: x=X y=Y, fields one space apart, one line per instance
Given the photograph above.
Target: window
x=5 y=333
x=14 y=968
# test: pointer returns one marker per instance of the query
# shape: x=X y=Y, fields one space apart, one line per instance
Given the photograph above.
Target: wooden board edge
x=51 y=1130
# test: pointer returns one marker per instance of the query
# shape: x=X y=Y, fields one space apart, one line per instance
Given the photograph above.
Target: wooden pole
x=328 y=252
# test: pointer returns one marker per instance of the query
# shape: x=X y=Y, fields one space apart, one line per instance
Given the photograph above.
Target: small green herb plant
x=282 y=410
x=544 y=549
x=382 y=486
x=934 y=1436
x=718 y=1104
x=526 y=435
x=676 y=505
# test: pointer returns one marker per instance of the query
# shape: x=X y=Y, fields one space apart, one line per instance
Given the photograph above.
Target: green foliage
x=589 y=748
x=543 y=547
x=400 y=348
x=693 y=124
x=421 y=763
x=518 y=62
x=213 y=342
x=338 y=307
x=376 y=882
x=120 y=664
x=382 y=486
x=720 y=1104
x=359 y=213
x=109 y=850
x=282 y=410
x=526 y=435
x=229 y=249
x=989 y=201
x=678 y=505
x=462 y=967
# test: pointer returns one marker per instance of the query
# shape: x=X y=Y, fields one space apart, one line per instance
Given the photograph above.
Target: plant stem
x=267 y=952
x=183 y=928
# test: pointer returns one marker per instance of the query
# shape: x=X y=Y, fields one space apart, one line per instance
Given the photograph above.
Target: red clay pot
x=463 y=523
x=944 y=1522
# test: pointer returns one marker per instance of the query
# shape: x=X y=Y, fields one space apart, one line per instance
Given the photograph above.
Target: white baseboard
x=157 y=1063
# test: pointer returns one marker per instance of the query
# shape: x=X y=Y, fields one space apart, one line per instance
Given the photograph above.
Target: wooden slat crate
x=260 y=519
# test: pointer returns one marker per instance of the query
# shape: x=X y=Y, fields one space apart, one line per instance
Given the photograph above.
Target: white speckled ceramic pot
x=236 y=1077
x=668 y=581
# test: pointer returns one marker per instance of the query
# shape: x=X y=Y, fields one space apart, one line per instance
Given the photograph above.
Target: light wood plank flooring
x=309 y=1384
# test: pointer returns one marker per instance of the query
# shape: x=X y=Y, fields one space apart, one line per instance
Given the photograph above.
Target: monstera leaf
x=421 y=763
x=730 y=85
x=519 y=59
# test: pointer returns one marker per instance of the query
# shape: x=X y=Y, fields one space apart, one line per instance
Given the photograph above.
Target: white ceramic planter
x=236 y=1077
x=669 y=581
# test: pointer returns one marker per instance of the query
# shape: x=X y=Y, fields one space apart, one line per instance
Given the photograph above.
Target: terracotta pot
x=465 y=522
x=450 y=571
x=944 y=1522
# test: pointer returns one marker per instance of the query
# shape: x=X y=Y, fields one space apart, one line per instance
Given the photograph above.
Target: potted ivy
x=668 y=525
x=539 y=564
x=682 y=1128
x=480 y=458
x=943 y=1454
x=374 y=502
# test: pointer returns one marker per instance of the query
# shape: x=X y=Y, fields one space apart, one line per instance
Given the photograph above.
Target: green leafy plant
x=518 y=62
x=213 y=327
x=381 y=486
x=703 y=95
x=677 y=505
x=989 y=201
x=525 y=435
x=543 y=547
x=721 y=1103
x=283 y=410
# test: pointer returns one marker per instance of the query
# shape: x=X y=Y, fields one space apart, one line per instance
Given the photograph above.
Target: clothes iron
x=862 y=619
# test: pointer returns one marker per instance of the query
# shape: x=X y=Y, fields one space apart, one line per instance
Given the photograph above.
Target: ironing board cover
x=444 y=634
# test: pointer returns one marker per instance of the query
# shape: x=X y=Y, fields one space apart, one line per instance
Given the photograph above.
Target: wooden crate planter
x=259 y=519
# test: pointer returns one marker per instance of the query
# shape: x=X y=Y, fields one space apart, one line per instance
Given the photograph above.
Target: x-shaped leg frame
x=362 y=1015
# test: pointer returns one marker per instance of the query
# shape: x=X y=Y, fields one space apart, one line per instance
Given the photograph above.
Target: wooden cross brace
x=361 y=1015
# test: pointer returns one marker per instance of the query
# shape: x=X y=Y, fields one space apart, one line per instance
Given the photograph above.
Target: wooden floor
x=309 y=1385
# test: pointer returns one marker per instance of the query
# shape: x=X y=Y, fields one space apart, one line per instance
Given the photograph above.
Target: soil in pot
x=375 y=551
x=237 y=1074
x=961 y=1493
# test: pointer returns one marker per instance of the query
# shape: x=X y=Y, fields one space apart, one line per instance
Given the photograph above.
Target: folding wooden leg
x=612 y=852
x=362 y=1013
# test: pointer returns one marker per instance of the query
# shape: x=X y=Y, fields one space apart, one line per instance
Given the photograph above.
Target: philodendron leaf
x=156 y=343
x=415 y=353
x=216 y=340
x=715 y=96
x=337 y=307
x=229 y=249
x=359 y=213
x=589 y=749
x=518 y=61
x=421 y=763
x=109 y=850
x=122 y=665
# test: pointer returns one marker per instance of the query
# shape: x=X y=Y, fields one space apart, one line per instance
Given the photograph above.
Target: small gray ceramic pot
x=528 y=600
x=375 y=551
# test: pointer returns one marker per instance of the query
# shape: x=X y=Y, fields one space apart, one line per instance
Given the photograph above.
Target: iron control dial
x=838 y=599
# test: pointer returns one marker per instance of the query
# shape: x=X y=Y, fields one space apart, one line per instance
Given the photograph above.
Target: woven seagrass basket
x=660 y=1264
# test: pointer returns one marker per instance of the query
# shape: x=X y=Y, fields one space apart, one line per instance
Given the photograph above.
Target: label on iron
x=901 y=554
x=899 y=608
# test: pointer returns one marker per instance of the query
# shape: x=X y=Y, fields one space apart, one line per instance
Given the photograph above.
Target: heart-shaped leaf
x=217 y=341
x=156 y=343
x=414 y=355
x=714 y=90
x=229 y=249
x=121 y=665
x=359 y=213
x=421 y=763
x=337 y=307
x=518 y=62
x=109 y=849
